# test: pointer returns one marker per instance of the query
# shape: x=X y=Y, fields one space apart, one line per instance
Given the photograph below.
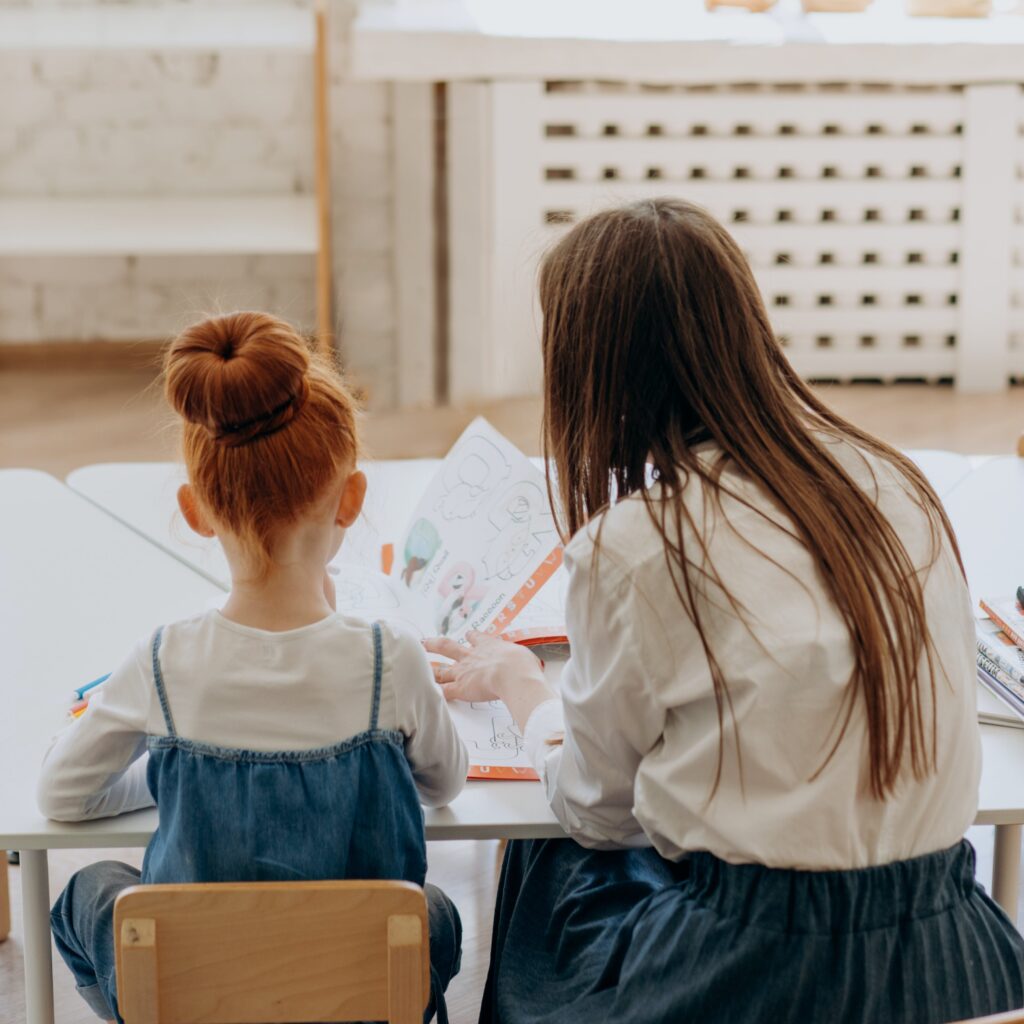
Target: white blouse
x=639 y=716
x=235 y=686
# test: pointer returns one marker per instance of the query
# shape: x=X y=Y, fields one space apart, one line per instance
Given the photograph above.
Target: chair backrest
x=272 y=953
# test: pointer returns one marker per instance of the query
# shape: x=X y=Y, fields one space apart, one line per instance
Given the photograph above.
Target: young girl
x=766 y=748
x=285 y=741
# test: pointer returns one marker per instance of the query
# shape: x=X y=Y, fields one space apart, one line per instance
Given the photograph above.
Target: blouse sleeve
x=435 y=751
x=94 y=767
x=608 y=711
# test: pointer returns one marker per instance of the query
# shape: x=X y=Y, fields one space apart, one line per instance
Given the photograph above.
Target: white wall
x=233 y=123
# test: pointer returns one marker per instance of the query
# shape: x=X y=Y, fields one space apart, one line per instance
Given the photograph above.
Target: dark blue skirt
x=588 y=936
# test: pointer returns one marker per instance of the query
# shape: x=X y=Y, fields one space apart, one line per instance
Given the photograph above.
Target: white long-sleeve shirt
x=639 y=716
x=234 y=686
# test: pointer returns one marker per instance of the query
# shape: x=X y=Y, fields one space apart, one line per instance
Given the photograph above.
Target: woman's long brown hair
x=655 y=338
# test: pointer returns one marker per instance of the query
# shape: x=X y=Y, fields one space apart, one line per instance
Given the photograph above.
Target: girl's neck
x=285 y=597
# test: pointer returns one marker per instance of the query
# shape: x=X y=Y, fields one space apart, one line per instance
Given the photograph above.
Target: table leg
x=35 y=902
x=1006 y=869
x=5 y=902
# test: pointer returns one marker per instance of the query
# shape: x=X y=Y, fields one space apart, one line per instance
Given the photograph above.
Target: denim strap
x=158 y=679
x=377 y=672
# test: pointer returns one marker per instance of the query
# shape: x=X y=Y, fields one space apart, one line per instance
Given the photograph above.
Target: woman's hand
x=484 y=668
x=489 y=668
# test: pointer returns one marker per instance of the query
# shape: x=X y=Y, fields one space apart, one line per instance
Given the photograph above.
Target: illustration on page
x=480 y=535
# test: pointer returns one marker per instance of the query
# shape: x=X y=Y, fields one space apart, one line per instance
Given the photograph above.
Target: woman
x=766 y=749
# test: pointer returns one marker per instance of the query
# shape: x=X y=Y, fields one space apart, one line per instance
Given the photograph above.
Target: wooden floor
x=60 y=419
x=57 y=420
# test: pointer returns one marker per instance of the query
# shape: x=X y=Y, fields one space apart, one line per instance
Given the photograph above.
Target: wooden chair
x=243 y=953
x=5 y=899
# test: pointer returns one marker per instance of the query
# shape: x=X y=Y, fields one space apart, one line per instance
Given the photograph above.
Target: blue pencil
x=83 y=690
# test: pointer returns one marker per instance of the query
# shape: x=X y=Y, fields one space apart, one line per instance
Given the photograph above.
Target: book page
x=493 y=740
x=544 y=615
x=365 y=593
x=482 y=540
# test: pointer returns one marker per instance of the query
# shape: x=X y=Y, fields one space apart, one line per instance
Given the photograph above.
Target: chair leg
x=5 y=901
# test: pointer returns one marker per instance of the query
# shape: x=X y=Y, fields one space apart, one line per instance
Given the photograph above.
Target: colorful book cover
x=997 y=646
x=1007 y=613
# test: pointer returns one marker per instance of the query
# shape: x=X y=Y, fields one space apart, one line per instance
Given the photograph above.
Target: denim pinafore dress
x=350 y=810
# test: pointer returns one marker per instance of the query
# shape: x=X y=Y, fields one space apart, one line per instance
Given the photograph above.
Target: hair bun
x=242 y=375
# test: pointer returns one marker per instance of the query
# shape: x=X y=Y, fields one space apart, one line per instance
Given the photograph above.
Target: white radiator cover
x=884 y=224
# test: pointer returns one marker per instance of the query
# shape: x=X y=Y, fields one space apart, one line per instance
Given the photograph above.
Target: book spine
x=990 y=668
x=1002 y=624
x=993 y=652
x=1011 y=700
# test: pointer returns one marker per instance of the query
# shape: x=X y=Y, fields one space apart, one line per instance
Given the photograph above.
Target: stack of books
x=1000 y=640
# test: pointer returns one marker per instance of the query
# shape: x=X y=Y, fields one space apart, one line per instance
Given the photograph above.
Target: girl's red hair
x=267 y=428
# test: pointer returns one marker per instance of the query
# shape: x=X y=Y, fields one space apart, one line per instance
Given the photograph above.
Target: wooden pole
x=324 y=272
x=5 y=899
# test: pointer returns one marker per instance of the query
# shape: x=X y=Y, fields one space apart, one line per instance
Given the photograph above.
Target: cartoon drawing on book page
x=525 y=528
x=480 y=535
x=358 y=594
x=475 y=468
x=369 y=595
x=422 y=543
x=459 y=597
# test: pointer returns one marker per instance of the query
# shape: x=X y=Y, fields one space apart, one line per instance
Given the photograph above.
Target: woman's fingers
x=444 y=646
x=478 y=667
x=444 y=676
x=477 y=638
x=443 y=673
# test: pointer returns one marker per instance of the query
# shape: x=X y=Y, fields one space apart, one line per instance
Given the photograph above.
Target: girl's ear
x=351 y=502
x=191 y=511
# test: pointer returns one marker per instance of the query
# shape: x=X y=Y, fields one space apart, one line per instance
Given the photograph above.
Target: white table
x=987 y=512
x=945 y=470
x=142 y=495
x=79 y=589
x=106 y=585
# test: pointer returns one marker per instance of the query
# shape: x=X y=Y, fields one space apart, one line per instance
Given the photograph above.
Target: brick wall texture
x=233 y=122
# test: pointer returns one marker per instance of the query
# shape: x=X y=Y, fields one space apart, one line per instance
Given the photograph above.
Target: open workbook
x=480 y=552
